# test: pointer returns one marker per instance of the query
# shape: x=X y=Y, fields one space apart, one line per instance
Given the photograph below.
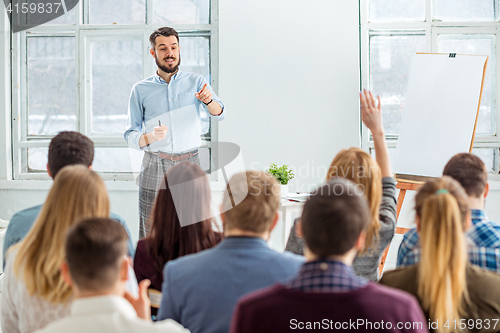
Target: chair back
x=155 y=297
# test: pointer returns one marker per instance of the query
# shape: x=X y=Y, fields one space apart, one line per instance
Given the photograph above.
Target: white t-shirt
x=108 y=314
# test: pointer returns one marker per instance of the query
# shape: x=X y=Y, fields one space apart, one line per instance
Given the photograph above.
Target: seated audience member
x=375 y=177
x=450 y=290
x=167 y=238
x=200 y=290
x=34 y=293
x=66 y=148
x=96 y=267
x=326 y=291
x=483 y=235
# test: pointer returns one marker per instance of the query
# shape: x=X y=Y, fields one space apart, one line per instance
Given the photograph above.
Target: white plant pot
x=284 y=190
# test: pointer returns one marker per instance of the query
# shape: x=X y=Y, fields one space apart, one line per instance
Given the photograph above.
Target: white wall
x=289 y=77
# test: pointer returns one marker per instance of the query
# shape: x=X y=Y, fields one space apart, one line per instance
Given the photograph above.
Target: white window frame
x=431 y=29
x=84 y=35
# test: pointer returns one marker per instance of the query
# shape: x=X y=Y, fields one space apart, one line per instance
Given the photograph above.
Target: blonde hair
x=251 y=201
x=77 y=193
x=442 y=208
x=358 y=166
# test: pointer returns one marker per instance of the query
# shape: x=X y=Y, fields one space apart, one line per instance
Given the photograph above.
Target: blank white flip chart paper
x=440 y=112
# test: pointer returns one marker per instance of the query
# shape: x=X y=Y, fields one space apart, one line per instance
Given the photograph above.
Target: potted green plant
x=283 y=175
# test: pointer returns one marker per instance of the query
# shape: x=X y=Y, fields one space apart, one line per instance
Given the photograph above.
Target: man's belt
x=175 y=157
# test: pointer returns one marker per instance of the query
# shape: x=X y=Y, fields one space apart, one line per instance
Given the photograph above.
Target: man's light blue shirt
x=175 y=105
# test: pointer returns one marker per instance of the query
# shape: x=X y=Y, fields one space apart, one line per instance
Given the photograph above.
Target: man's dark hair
x=69 y=148
x=469 y=171
x=94 y=249
x=166 y=32
x=333 y=218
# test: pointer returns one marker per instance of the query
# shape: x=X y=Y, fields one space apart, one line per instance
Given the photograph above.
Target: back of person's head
x=358 y=166
x=77 y=193
x=181 y=220
x=469 y=171
x=69 y=148
x=334 y=217
x=258 y=194
x=95 y=249
x=442 y=206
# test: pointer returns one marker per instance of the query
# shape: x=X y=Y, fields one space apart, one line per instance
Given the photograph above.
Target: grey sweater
x=365 y=265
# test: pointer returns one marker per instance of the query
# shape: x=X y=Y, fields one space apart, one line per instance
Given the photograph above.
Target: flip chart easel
x=442 y=102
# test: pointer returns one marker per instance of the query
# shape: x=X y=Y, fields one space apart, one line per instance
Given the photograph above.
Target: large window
x=392 y=31
x=76 y=73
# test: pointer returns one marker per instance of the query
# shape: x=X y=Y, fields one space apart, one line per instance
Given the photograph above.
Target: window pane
x=117 y=11
x=181 y=12
x=489 y=157
x=205 y=154
x=37 y=159
x=464 y=10
x=51 y=87
x=40 y=11
x=390 y=62
x=117 y=160
x=195 y=55
x=392 y=153
x=112 y=79
x=479 y=45
x=396 y=10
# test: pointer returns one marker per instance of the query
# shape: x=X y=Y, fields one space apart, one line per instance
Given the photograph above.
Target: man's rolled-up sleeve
x=133 y=131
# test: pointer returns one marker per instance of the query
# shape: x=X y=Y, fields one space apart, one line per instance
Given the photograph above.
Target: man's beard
x=168 y=69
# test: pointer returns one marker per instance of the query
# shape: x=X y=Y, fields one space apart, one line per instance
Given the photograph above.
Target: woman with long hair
x=375 y=179
x=452 y=292
x=34 y=293
x=181 y=223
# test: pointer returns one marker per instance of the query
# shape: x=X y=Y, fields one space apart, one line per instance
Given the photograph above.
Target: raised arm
x=211 y=101
x=371 y=114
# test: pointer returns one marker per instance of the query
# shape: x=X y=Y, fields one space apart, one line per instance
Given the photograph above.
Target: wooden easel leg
x=401 y=198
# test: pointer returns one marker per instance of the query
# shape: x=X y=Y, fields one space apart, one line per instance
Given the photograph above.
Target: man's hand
x=371 y=113
x=160 y=132
x=142 y=304
x=204 y=95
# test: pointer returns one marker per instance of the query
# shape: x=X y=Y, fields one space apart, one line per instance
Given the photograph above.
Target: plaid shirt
x=484 y=244
x=326 y=276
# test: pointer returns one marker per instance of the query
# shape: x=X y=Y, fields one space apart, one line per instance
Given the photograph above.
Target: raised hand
x=371 y=113
x=204 y=95
x=141 y=304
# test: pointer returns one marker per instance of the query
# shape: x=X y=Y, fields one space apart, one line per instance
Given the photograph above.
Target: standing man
x=167 y=114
